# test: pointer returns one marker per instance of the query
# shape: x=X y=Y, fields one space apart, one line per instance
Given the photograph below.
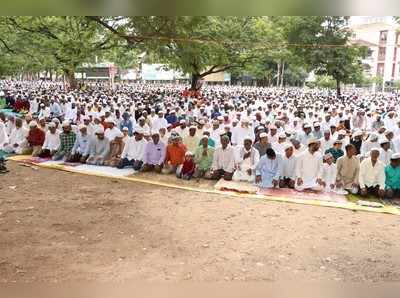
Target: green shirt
x=67 y=141
x=203 y=162
x=392 y=180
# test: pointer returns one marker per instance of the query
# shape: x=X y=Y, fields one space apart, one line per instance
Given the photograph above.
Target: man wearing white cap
x=306 y=134
x=182 y=130
x=51 y=141
x=392 y=174
x=191 y=141
x=369 y=144
x=80 y=150
x=348 y=168
x=279 y=145
x=329 y=172
x=133 y=153
x=385 y=153
x=288 y=174
x=239 y=133
x=309 y=168
x=246 y=160
x=268 y=170
x=98 y=149
x=372 y=175
x=67 y=141
x=112 y=131
x=223 y=165
x=17 y=139
x=154 y=154
x=262 y=145
x=35 y=139
x=159 y=122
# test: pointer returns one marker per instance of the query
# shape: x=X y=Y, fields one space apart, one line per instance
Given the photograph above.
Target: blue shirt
x=269 y=169
x=81 y=144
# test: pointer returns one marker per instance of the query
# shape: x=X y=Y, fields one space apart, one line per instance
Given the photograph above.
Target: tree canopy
x=274 y=50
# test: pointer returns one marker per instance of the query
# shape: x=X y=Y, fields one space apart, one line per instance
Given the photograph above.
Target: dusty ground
x=58 y=226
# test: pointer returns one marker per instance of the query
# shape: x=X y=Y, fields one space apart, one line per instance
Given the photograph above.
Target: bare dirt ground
x=59 y=226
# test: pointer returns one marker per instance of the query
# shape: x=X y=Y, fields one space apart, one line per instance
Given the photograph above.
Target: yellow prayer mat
x=227 y=188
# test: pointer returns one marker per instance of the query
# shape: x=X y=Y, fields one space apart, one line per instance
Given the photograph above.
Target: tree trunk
x=282 y=72
x=338 y=93
x=70 y=76
x=278 y=73
x=194 y=83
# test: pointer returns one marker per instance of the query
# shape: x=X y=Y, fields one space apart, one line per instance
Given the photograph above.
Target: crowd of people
x=276 y=138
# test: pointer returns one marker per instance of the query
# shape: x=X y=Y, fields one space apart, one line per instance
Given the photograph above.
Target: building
x=381 y=35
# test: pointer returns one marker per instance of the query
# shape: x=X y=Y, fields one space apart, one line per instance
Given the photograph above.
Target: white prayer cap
x=65 y=123
x=342 y=132
x=160 y=112
x=337 y=142
x=286 y=146
x=51 y=124
x=263 y=135
x=282 y=135
x=395 y=156
x=111 y=120
x=202 y=122
x=312 y=141
x=153 y=133
x=357 y=133
x=139 y=130
x=328 y=155
x=388 y=132
x=307 y=125
x=220 y=118
x=188 y=153
x=125 y=128
x=373 y=136
x=119 y=134
x=182 y=121
x=204 y=137
x=260 y=127
x=99 y=130
x=81 y=126
x=383 y=141
x=235 y=121
x=316 y=124
x=245 y=120
x=373 y=149
x=222 y=132
x=248 y=138
x=32 y=124
x=273 y=126
x=192 y=127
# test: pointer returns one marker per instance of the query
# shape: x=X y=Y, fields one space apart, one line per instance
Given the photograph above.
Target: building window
x=382 y=54
x=383 y=36
x=380 y=69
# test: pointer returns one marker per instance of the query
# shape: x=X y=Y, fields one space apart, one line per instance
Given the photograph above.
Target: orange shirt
x=175 y=154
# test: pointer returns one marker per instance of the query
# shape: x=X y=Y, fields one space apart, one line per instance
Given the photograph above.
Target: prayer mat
x=262 y=195
x=236 y=186
x=306 y=195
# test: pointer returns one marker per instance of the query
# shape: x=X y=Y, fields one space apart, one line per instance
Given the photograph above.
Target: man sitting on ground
x=203 y=158
x=175 y=156
x=309 y=168
x=288 y=176
x=35 y=139
x=246 y=160
x=223 y=161
x=67 y=141
x=348 y=168
x=392 y=173
x=51 y=141
x=134 y=149
x=80 y=151
x=268 y=170
x=154 y=154
x=17 y=142
x=98 y=149
x=372 y=175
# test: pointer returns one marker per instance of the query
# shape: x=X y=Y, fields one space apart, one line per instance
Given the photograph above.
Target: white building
x=381 y=35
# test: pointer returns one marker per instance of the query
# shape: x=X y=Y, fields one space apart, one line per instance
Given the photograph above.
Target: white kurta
x=309 y=169
x=372 y=175
x=52 y=141
x=329 y=176
x=243 y=165
x=3 y=135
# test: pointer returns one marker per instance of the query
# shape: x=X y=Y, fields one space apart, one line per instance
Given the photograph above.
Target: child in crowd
x=188 y=167
x=329 y=173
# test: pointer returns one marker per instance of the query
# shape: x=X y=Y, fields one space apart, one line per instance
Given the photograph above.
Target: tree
x=325 y=44
x=58 y=42
x=197 y=45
